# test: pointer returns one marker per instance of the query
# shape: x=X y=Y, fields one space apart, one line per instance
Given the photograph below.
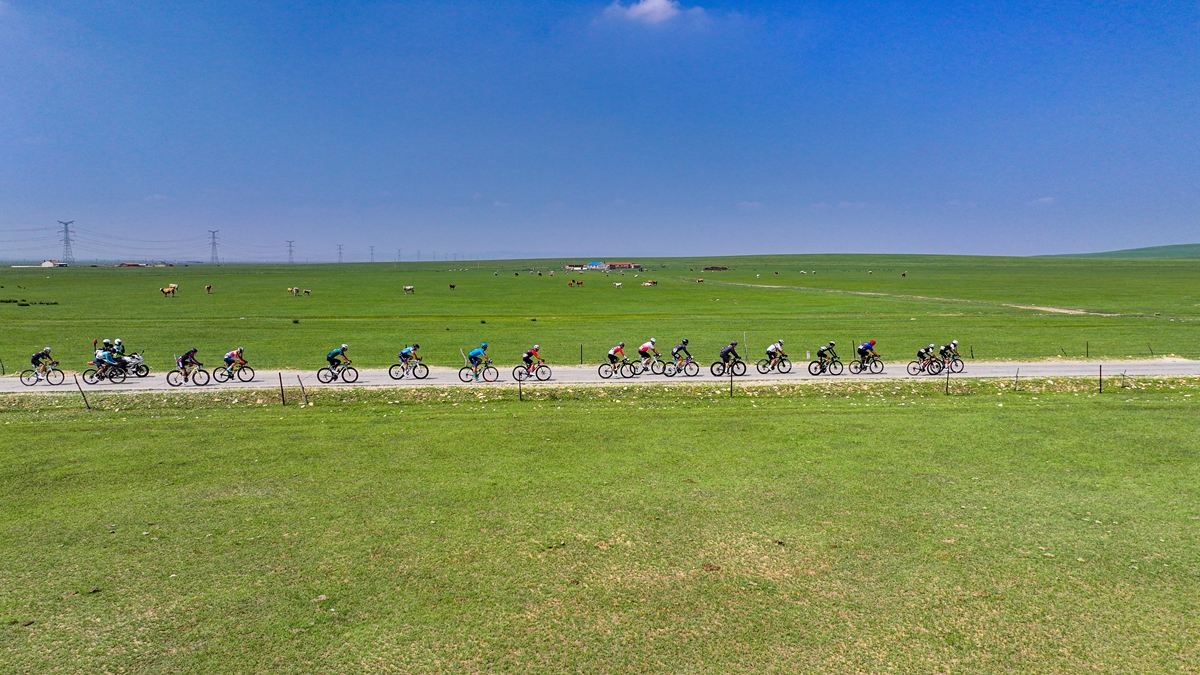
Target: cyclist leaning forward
x=188 y=359
x=826 y=353
x=949 y=350
x=233 y=357
x=867 y=349
x=678 y=349
x=476 y=357
x=334 y=361
x=40 y=360
x=408 y=354
x=728 y=352
x=529 y=356
x=775 y=352
x=612 y=353
x=645 y=349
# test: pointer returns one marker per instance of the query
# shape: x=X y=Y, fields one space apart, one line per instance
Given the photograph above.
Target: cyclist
x=188 y=359
x=233 y=357
x=825 y=353
x=645 y=349
x=949 y=350
x=476 y=356
x=728 y=352
x=612 y=353
x=867 y=349
x=775 y=351
x=100 y=357
x=408 y=354
x=678 y=349
x=530 y=355
x=925 y=354
x=41 y=360
x=334 y=361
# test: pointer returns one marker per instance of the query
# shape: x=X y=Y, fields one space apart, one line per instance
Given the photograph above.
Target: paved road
x=587 y=375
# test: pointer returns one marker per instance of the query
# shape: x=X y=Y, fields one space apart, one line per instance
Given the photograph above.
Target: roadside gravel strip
x=448 y=377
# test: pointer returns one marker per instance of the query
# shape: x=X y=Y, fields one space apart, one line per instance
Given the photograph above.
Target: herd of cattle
x=171 y=289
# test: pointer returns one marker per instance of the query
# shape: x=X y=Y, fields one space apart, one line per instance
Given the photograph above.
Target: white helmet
x=653 y=340
x=536 y=347
x=47 y=349
x=781 y=341
x=931 y=345
x=118 y=341
x=954 y=342
x=345 y=346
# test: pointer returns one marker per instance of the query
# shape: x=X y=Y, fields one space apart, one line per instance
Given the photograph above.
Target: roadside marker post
x=282 y=398
x=1102 y=379
x=302 y=391
x=85 y=401
x=1 y=367
x=1087 y=349
x=947 y=381
x=581 y=354
x=1016 y=378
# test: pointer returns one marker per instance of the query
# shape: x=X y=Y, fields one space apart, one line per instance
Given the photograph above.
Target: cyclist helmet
x=734 y=343
x=685 y=341
x=872 y=343
x=536 y=347
x=653 y=340
x=620 y=344
x=117 y=341
x=345 y=346
x=931 y=345
x=954 y=342
x=832 y=343
x=193 y=350
x=47 y=350
x=780 y=340
x=107 y=341
x=483 y=345
x=241 y=349
x=416 y=346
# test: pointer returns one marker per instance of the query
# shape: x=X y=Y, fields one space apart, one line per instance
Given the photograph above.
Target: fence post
x=1102 y=379
x=1 y=366
x=302 y=391
x=947 y=380
x=85 y=401
x=282 y=398
x=1087 y=349
x=520 y=392
x=581 y=354
x=1016 y=378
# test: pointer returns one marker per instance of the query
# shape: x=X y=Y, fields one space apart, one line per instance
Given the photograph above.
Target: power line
x=212 y=234
x=68 y=255
x=339 y=253
x=291 y=249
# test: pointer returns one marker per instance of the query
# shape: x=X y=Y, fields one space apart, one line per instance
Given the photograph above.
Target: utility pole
x=372 y=254
x=291 y=250
x=339 y=253
x=68 y=255
x=212 y=240
x=398 y=252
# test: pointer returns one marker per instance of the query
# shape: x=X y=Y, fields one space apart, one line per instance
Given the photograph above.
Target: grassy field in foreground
x=822 y=527
x=1155 y=307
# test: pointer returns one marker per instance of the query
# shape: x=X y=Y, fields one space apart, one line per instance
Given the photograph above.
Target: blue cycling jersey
x=337 y=352
x=865 y=347
x=476 y=353
x=407 y=351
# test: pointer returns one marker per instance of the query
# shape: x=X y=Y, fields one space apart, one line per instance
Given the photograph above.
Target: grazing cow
x=208 y=288
x=904 y=273
x=699 y=281
x=617 y=284
x=650 y=282
x=516 y=274
x=307 y=292
x=294 y=290
x=539 y=274
x=570 y=283
x=451 y=286
x=169 y=290
x=551 y=272
x=801 y=272
x=870 y=271
x=579 y=283
x=409 y=289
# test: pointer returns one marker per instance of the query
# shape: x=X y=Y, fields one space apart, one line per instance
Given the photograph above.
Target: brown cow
x=307 y=292
x=208 y=288
x=451 y=286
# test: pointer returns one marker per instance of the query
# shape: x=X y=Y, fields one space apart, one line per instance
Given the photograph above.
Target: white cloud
x=651 y=11
x=1044 y=201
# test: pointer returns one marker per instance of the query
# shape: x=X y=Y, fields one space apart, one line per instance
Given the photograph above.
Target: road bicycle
x=399 y=371
x=342 y=370
x=541 y=371
x=51 y=375
x=625 y=367
x=932 y=366
x=868 y=364
x=656 y=365
x=779 y=363
x=686 y=366
x=241 y=371
x=954 y=363
x=832 y=366
x=484 y=370
x=191 y=372
x=114 y=374
x=719 y=369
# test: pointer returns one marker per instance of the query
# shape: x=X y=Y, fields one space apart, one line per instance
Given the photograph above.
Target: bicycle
x=779 y=363
x=832 y=365
x=656 y=366
x=932 y=366
x=686 y=366
x=955 y=363
x=345 y=371
x=484 y=370
x=418 y=370
x=869 y=363
x=737 y=366
x=625 y=367
x=243 y=372
x=190 y=372
x=51 y=375
x=114 y=374
x=539 y=370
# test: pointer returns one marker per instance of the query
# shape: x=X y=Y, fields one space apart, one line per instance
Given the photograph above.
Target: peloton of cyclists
x=678 y=349
x=184 y=363
x=775 y=352
x=645 y=350
x=477 y=356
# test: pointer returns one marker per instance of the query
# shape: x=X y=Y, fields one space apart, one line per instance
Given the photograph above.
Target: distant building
x=623 y=266
x=597 y=265
x=575 y=267
x=53 y=263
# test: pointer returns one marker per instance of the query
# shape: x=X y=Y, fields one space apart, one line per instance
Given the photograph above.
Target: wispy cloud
x=1044 y=201
x=651 y=12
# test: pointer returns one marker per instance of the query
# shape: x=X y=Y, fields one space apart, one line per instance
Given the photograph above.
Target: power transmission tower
x=339 y=253
x=212 y=234
x=291 y=249
x=68 y=255
x=372 y=254
x=399 y=251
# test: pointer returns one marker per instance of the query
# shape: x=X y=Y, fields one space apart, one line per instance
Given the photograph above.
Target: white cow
x=409 y=289
x=617 y=284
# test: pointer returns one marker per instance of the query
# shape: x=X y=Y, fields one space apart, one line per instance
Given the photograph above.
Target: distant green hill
x=1175 y=251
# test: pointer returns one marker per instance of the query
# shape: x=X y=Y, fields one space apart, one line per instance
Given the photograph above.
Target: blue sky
x=598 y=129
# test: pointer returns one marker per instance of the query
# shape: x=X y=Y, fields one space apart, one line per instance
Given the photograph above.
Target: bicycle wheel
x=174 y=378
x=739 y=368
x=815 y=368
x=245 y=373
x=29 y=377
x=349 y=374
x=542 y=372
x=637 y=367
x=835 y=367
x=605 y=371
x=670 y=369
x=199 y=377
x=116 y=375
x=876 y=366
x=221 y=375
x=396 y=371
x=691 y=369
x=627 y=370
x=935 y=367
x=142 y=370
x=914 y=367
x=783 y=365
x=657 y=367
x=55 y=376
x=520 y=374
x=717 y=368
x=420 y=371
x=855 y=367
x=764 y=366
x=326 y=375
x=956 y=366
x=90 y=376
x=490 y=374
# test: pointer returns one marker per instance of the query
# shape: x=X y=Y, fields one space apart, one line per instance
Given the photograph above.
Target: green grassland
x=1153 y=305
x=819 y=527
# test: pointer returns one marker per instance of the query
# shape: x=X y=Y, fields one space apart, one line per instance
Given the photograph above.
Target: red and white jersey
x=649 y=346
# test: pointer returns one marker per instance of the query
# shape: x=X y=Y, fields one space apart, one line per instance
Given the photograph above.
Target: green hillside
x=1173 y=251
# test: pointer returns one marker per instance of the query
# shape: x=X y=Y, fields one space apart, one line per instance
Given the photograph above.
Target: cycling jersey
x=187 y=359
x=37 y=358
x=680 y=348
x=232 y=356
x=774 y=347
x=531 y=354
x=922 y=353
x=616 y=350
x=407 y=353
x=646 y=347
x=476 y=353
x=336 y=353
x=824 y=351
x=728 y=351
